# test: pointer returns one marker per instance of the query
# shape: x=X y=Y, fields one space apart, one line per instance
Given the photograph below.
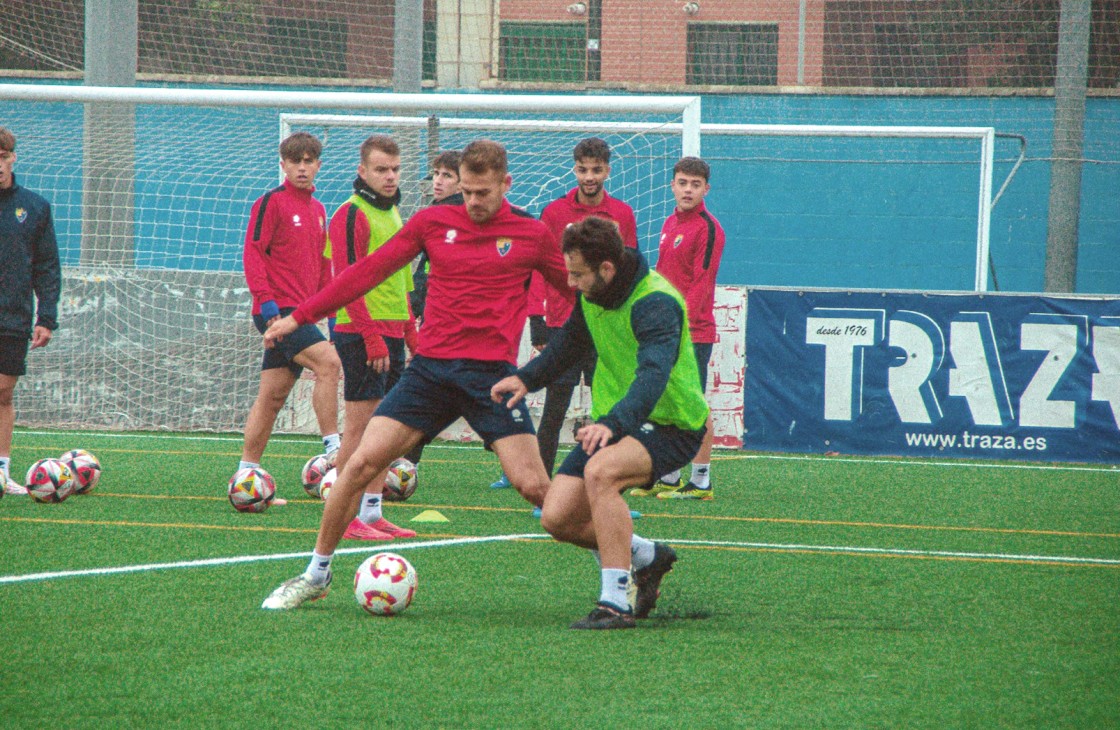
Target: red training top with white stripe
x=283 y=256
x=688 y=256
x=477 y=285
x=558 y=215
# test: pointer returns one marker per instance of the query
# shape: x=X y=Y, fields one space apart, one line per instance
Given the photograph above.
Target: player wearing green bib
x=647 y=407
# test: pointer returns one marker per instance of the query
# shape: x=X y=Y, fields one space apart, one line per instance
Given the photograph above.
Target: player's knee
x=329 y=368
x=554 y=523
x=532 y=487
x=6 y=396
x=599 y=478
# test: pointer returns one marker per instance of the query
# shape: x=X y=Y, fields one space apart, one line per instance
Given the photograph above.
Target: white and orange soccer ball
x=251 y=490
x=312 y=475
x=85 y=467
x=385 y=584
x=327 y=484
x=50 y=480
x=401 y=480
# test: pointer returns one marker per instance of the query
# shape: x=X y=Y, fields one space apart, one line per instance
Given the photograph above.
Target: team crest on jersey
x=21 y=214
x=296 y=221
x=452 y=234
x=678 y=239
x=504 y=245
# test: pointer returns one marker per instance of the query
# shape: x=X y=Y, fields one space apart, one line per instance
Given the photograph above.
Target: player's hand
x=40 y=337
x=593 y=437
x=379 y=364
x=279 y=328
x=510 y=385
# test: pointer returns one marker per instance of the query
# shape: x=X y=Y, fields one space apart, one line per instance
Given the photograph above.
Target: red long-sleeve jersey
x=283 y=256
x=555 y=304
x=477 y=285
x=688 y=256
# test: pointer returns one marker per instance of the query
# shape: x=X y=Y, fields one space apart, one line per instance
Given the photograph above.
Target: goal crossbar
x=984 y=135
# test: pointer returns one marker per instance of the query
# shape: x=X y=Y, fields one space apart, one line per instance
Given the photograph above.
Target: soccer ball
x=328 y=482
x=85 y=467
x=401 y=481
x=251 y=490
x=312 y=474
x=384 y=584
x=50 y=480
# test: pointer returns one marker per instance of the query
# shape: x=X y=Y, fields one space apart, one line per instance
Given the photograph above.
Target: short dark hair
x=448 y=160
x=299 y=145
x=693 y=166
x=593 y=148
x=382 y=143
x=483 y=156
x=597 y=240
x=7 y=140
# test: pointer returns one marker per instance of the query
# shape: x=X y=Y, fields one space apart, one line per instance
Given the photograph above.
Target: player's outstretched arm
x=510 y=385
x=278 y=329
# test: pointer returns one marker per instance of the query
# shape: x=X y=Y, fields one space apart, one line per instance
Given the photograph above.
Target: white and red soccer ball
x=50 y=480
x=327 y=483
x=251 y=489
x=312 y=475
x=401 y=481
x=85 y=467
x=385 y=584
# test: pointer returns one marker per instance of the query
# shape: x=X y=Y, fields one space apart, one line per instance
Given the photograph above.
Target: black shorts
x=283 y=355
x=669 y=447
x=433 y=393
x=703 y=352
x=585 y=367
x=360 y=381
x=13 y=355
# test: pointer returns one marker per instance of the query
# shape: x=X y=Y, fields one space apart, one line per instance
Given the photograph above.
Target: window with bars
x=554 y=52
x=736 y=54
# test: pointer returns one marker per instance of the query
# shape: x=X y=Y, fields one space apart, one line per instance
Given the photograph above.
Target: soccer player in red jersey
x=482 y=254
x=284 y=265
x=689 y=254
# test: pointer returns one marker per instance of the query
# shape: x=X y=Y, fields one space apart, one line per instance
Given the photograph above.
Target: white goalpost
x=151 y=190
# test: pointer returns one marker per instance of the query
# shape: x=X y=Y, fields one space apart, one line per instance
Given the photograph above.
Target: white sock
x=319 y=568
x=615 y=583
x=641 y=552
x=5 y=464
x=331 y=442
x=672 y=477
x=247 y=465
x=701 y=475
x=371 y=508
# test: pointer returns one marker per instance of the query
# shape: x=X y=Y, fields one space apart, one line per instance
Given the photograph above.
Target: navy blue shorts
x=433 y=393
x=360 y=381
x=669 y=447
x=585 y=366
x=283 y=355
x=13 y=355
x=703 y=352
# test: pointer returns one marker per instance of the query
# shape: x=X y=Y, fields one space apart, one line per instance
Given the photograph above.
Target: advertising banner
x=912 y=374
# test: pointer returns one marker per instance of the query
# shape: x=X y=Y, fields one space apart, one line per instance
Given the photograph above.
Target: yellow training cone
x=429 y=515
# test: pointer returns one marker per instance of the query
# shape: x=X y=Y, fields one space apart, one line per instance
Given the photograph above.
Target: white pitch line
x=210 y=562
x=1073 y=560
x=722 y=455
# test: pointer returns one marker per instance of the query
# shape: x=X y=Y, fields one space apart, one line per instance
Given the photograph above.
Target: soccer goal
x=151 y=190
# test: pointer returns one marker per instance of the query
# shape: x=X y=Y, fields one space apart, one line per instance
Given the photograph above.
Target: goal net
x=151 y=191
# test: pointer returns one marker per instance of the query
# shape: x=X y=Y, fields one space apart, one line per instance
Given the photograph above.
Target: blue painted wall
x=797 y=211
